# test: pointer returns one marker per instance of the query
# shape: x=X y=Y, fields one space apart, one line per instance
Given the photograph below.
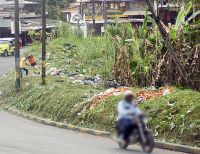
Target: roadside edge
x=158 y=144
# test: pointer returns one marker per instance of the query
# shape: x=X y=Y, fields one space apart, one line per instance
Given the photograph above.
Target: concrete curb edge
x=57 y=124
x=158 y=144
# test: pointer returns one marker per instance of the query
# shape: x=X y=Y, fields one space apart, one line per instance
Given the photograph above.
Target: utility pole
x=104 y=13
x=17 y=49
x=93 y=12
x=81 y=8
x=43 y=42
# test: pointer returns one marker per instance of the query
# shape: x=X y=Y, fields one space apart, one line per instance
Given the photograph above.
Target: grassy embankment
x=60 y=100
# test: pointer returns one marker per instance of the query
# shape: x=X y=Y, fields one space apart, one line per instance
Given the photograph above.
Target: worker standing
x=23 y=67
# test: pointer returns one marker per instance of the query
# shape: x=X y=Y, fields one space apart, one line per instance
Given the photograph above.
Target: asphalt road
x=8 y=63
x=5 y=63
x=22 y=136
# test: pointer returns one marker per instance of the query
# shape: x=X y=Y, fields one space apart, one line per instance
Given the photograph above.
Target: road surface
x=22 y=136
x=8 y=63
x=5 y=63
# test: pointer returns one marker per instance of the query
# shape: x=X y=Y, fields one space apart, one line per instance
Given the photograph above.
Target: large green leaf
x=144 y=25
x=173 y=33
x=182 y=14
x=193 y=15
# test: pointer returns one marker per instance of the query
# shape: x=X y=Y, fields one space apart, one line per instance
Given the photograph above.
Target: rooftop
x=26 y=25
x=8 y=4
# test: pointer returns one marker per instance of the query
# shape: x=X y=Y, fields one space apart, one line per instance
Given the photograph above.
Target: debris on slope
x=151 y=94
x=109 y=92
x=142 y=95
x=80 y=78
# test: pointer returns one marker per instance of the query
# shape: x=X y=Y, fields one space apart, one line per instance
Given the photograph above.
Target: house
x=27 y=9
x=29 y=18
x=125 y=10
x=114 y=8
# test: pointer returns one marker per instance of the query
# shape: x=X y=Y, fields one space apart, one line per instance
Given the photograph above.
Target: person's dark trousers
x=125 y=127
x=21 y=72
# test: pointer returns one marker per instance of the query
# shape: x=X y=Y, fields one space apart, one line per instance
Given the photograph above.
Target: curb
x=57 y=124
x=158 y=144
x=177 y=147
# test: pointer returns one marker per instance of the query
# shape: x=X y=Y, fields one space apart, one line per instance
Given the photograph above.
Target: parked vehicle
x=7 y=46
x=141 y=134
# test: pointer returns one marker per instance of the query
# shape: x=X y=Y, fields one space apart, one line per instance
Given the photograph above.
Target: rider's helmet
x=129 y=96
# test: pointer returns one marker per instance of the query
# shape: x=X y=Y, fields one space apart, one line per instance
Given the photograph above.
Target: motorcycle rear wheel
x=149 y=145
x=123 y=145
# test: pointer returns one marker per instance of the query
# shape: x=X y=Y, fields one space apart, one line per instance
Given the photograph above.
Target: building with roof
x=125 y=10
x=114 y=8
x=30 y=19
x=27 y=9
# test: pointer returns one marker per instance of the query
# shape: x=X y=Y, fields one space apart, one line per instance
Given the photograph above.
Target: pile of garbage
x=80 y=78
x=151 y=94
x=104 y=95
x=54 y=71
x=142 y=95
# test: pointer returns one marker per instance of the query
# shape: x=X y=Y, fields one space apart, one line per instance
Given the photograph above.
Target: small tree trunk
x=165 y=36
x=121 y=70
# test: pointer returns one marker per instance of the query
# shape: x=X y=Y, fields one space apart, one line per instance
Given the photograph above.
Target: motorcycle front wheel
x=149 y=145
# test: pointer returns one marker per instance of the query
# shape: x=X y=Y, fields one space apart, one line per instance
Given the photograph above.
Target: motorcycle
x=141 y=134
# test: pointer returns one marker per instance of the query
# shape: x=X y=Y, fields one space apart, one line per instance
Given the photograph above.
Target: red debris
x=145 y=94
x=110 y=92
x=151 y=94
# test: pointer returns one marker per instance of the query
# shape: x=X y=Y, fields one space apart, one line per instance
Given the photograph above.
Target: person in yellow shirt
x=23 y=66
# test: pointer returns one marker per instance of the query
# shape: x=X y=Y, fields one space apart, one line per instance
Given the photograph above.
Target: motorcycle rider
x=127 y=108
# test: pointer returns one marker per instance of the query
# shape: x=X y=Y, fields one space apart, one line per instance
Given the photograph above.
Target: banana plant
x=183 y=24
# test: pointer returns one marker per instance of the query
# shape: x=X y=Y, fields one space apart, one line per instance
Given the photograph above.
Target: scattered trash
x=48 y=56
x=80 y=78
x=170 y=103
x=172 y=126
x=59 y=80
x=69 y=46
x=77 y=81
x=142 y=95
x=141 y=99
x=166 y=92
x=150 y=88
x=27 y=84
x=54 y=71
x=151 y=94
x=86 y=96
x=114 y=84
x=109 y=92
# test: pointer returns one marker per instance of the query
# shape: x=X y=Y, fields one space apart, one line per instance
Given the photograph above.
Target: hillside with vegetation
x=86 y=77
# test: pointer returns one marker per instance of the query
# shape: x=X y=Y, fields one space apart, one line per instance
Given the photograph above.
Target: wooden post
x=43 y=42
x=17 y=48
